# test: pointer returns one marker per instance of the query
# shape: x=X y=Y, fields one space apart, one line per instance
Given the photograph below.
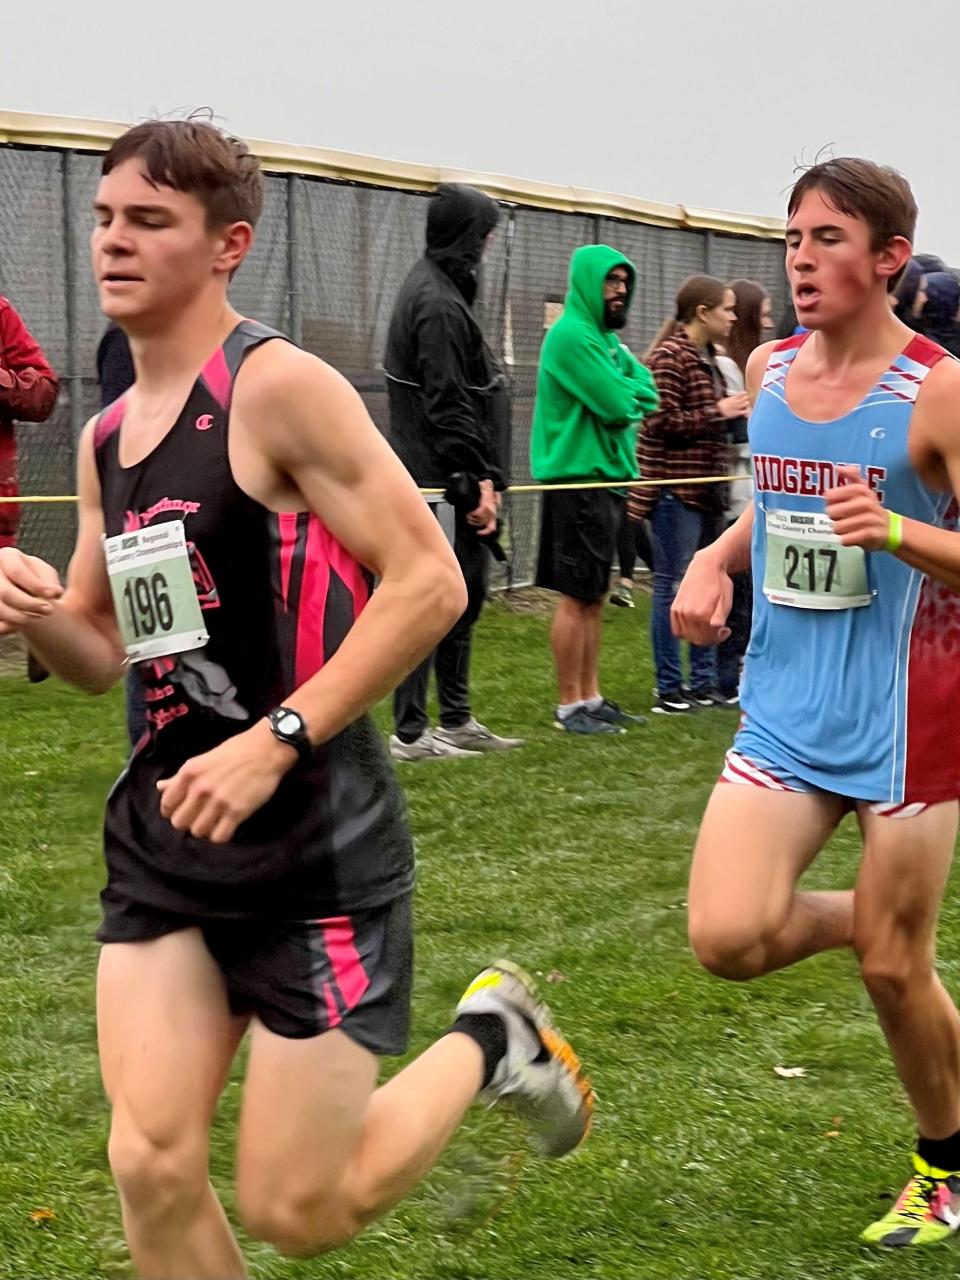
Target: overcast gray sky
x=680 y=100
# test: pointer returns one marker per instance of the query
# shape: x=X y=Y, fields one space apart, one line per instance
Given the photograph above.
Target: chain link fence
x=326 y=267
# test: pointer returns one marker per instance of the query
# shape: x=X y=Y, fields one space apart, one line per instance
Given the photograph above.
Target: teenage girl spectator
x=686 y=438
x=753 y=325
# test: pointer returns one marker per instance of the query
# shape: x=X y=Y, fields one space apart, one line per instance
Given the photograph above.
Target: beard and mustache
x=614 y=315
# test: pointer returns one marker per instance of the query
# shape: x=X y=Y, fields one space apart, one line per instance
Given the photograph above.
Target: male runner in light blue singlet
x=851 y=692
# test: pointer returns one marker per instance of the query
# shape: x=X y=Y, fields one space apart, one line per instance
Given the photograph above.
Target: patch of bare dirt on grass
x=13 y=656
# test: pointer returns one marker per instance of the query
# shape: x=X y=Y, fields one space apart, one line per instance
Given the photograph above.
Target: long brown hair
x=696 y=291
x=747 y=332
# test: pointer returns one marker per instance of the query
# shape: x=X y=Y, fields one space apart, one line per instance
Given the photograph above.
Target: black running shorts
x=578 y=542
x=301 y=978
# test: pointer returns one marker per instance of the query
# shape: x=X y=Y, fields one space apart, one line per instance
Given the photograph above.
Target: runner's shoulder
x=278 y=374
x=757 y=363
x=938 y=404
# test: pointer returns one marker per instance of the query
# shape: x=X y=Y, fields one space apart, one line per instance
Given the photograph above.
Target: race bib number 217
x=807 y=566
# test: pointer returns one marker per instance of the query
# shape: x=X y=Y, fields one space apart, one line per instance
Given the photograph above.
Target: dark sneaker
x=671 y=703
x=584 y=722
x=622 y=597
x=613 y=713
x=705 y=697
x=729 y=699
x=36 y=671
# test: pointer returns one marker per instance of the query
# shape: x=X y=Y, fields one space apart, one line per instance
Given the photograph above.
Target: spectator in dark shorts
x=684 y=440
x=28 y=392
x=591 y=393
x=115 y=376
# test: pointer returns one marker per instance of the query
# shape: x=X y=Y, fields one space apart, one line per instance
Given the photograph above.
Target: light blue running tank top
x=852 y=675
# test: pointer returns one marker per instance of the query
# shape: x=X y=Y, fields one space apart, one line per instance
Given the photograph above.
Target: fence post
x=72 y=375
x=294 y=294
x=508 y=362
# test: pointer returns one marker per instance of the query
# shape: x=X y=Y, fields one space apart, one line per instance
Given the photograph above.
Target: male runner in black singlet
x=259 y=864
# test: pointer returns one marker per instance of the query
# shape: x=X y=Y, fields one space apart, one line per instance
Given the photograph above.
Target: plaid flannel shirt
x=686 y=436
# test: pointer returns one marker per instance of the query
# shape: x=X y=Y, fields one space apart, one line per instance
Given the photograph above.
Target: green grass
x=571 y=856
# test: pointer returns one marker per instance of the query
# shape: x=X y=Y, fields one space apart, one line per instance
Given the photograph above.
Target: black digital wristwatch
x=289 y=726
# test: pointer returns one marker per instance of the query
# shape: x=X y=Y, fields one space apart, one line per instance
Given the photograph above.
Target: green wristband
x=895 y=532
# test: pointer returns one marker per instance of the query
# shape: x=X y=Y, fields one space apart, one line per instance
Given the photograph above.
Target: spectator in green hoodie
x=591 y=395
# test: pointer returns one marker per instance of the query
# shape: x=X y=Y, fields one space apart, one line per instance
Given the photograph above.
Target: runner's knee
x=156 y=1177
x=728 y=947
x=299 y=1226
x=892 y=970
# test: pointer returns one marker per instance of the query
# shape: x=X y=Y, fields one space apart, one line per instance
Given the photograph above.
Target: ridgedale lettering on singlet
x=808 y=477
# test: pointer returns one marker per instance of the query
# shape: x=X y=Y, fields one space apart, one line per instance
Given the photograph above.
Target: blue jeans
x=676 y=532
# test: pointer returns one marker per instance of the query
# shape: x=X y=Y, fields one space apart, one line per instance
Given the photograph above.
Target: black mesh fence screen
x=33 y=277
x=326 y=267
x=262 y=288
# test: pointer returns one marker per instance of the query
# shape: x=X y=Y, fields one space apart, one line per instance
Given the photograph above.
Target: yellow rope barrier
x=514 y=488
x=19 y=502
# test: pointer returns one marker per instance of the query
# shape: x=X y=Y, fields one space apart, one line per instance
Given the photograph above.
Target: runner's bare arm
x=703 y=601
x=78 y=639
x=856 y=511
x=318 y=443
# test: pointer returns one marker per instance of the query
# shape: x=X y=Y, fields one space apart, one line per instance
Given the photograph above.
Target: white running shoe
x=427 y=747
x=539 y=1077
x=475 y=737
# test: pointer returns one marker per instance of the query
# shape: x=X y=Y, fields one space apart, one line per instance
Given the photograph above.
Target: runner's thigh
x=753 y=846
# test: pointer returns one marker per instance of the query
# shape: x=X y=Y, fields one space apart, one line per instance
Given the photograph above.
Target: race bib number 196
x=808 y=567
x=151 y=580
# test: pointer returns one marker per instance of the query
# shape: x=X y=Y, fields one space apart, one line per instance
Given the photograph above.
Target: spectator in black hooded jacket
x=449 y=424
x=910 y=295
x=939 y=316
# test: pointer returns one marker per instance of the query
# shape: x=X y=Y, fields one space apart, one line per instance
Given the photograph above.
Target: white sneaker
x=426 y=747
x=475 y=737
x=539 y=1077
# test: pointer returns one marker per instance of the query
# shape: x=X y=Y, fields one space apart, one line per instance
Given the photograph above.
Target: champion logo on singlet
x=204 y=422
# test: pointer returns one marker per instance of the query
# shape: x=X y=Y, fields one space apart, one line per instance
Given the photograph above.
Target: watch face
x=289 y=722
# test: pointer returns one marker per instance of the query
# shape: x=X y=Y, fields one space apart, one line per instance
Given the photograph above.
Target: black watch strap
x=289 y=726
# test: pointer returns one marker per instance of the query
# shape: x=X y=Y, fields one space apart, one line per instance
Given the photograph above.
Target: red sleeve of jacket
x=28 y=386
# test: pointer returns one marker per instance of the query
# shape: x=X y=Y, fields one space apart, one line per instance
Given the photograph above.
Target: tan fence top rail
x=282 y=157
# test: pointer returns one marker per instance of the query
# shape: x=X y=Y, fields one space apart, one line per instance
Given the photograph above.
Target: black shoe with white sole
x=670 y=703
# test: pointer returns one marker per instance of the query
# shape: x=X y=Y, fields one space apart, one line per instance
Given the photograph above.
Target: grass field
x=571 y=856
